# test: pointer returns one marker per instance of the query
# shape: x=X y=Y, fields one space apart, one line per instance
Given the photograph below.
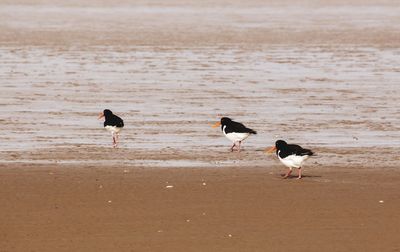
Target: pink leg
x=299 y=177
x=239 y=145
x=234 y=144
x=287 y=174
x=114 y=141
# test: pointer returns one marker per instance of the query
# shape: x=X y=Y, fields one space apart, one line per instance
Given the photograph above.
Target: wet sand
x=91 y=208
x=321 y=74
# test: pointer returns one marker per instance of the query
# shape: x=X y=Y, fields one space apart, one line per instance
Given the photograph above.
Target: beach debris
x=355 y=138
x=109 y=201
x=204 y=183
x=187 y=220
x=204 y=213
x=229 y=235
x=126 y=171
x=169 y=186
x=100 y=186
x=381 y=201
x=159 y=231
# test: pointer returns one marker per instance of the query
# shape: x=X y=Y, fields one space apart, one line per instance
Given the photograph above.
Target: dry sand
x=324 y=74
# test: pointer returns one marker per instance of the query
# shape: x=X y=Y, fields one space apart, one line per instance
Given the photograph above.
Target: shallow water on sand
x=169 y=97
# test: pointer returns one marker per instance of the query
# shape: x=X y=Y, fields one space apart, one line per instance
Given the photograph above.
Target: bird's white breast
x=234 y=136
x=293 y=161
x=113 y=129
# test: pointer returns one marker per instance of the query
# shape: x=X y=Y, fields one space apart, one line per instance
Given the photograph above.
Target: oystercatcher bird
x=291 y=155
x=112 y=123
x=234 y=131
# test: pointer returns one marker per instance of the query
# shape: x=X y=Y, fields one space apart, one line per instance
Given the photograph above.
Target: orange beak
x=217 y=124
x=101 y=115
x=270 y=150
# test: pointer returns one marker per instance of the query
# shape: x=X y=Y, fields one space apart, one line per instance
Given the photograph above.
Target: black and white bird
x=112 y=123
x=291 y=155
x=234 y=131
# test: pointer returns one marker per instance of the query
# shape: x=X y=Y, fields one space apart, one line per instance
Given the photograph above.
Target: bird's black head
x=280 y=144
x=107 y=112
x=225 y=120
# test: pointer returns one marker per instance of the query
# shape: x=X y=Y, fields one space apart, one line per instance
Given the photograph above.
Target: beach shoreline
x=321 y=74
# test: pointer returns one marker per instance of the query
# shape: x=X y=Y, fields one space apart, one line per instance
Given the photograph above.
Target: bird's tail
x=309 y=152
x=253 y=132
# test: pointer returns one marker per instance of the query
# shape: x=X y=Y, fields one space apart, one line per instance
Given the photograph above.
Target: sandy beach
x=323 y=74
x=91 y=208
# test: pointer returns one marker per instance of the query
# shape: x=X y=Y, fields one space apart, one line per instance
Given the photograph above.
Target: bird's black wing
x=238 y=128
x=298 y=150
x=120 y=122
x=114 y=121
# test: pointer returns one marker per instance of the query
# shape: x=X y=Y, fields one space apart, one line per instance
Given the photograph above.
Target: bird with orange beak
x=234 y=131
x=112 y=123
x=291 y=155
